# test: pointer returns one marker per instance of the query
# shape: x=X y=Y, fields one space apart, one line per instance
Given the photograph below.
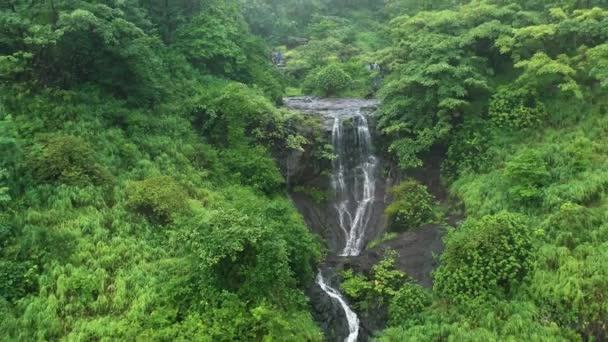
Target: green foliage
x=158 y=198
x=574 y=225
x=478 y=320
x=409 y=300
x=515 y=91
x=569 y=286
x=105 y=97
x=9 y=142
x=516 y=108
x=468 y=150
x=382 y=239
x=125 y=116
x=66 y=159
x=598 y=65
x=387 y=280
x=255 y=168
x=485 y=257
x=347 y=38
x=328 y=81
x=412 y=206
x=549 y=75
x=318 y=195
x=528 y=172
x=4 y=194
x=438 y=73
x=355 y=285
x=210 y=39
x=232 y=114
x=94 y=37
x=17 y=279
x=379 y=289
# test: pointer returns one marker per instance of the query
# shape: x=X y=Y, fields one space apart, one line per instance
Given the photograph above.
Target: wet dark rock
x=416 y=249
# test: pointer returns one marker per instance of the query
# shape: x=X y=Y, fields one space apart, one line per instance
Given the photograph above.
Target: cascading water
x=351 y=316
x=353 y=181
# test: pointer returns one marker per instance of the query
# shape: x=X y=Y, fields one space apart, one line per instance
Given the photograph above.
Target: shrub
x=409 y=300
x=412 y=206
x=17 y=279
x=573 y=225
x=230 y=114
x=378 y=290
x=468 y=149
x=388 y=279
x=328 y=81
x=68 y=160
x=528 y=173
x=157 y=198
x=356 y=286
x=4 y=190
x=485 y=257
x=518 y=108
x=254 y=167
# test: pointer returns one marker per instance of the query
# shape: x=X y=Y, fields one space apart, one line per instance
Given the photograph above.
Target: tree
x=552 y=76
x=210 y=39
x=328 y=81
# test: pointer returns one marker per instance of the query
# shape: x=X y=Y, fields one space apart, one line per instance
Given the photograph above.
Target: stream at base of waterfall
x=353 y=181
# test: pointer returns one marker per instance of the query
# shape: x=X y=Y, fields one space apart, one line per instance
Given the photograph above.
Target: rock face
x=305 y=170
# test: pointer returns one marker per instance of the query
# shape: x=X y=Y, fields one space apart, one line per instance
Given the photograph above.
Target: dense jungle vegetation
x=140 y=199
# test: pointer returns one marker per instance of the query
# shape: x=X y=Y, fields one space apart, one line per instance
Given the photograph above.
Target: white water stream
x=355 y=197
x=353 y=181
x=354 y=185
x=351 y=316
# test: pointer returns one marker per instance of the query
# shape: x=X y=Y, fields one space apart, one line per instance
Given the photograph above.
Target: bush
x=233 y=113
x=378 y=290
x=528 y=173
x=409 y=300
x=157 y=198
x=17 y=279
x=412 y=206
x=66 y=159
x=357 y=287
x=328 y=81
x=485 y=257
x=574 y=225
x=468 y=150
x=518 y=108
x=254 y=167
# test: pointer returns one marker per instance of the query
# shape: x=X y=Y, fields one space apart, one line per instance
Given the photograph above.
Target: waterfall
x=353 y=181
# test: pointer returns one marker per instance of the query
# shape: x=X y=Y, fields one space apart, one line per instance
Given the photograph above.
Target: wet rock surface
x=416 y=250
